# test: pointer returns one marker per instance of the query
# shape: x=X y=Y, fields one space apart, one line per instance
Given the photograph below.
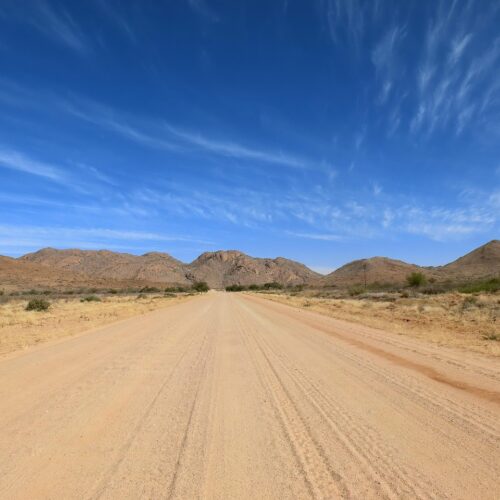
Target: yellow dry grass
x=452 y=319
x=20 y=329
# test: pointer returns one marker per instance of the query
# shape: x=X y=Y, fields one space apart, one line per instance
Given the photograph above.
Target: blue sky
x=322 y=131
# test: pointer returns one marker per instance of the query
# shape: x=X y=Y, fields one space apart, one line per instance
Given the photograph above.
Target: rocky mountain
x=151 y=267
x=51 y=268
x=223 y=268
x=218 y=269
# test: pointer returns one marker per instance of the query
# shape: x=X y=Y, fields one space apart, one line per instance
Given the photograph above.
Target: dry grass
x=20 y=329
x=451 y=319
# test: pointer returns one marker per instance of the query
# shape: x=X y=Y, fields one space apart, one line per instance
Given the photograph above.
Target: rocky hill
x=51 y=268
x=17 y=274
x=223 y=268
x=151 y=267
x=218 y=269
x=373 y=270
x=481 y=262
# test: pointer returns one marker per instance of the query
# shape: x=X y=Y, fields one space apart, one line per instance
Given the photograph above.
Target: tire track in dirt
x=393 y=478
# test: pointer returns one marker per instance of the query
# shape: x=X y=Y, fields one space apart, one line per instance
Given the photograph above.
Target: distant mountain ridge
x=218 y=269
x=52 y=268
x=483 y=262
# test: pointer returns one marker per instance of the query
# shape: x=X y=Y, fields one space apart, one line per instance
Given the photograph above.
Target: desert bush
x=141 y=296
x=235 y=288
x=416 y=279
x=200 y=286
x=169 y=294
x=37 y=305
x=113 y=291
x=489 y=286
x=1 y=292
x=468 y=303
x=356 y=290
x=274 y=285
x=150 y=289
x=90 y=298
x=254 y=287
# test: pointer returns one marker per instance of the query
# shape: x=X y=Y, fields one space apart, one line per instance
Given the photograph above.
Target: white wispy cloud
x=317 y=236
x=455 y=74
x=202 y=8
x=160 y=134
x=60 y=26
x=346 y=21
x=384 y=60
x=48 y=234
x=22 y=163
x=234 y=150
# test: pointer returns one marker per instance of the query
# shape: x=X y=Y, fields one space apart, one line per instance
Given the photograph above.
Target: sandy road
x=232 y=396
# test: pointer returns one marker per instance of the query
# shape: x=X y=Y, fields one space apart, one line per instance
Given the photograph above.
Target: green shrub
x=235 y=288
x=274 y=285
x=254 y=287
x=490 y=286
x=113 y=291
x=356 y=290
x=416 y=279
x=38 y=305
x=90 y=298
x=200 y=286
x=150 y=289
x=1 y=292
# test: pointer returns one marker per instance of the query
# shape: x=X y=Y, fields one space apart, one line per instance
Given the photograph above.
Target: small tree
x=416 y=279
x=201 y=286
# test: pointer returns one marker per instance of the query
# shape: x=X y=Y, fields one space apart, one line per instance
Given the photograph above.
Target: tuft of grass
x=469 y=302
x=492 y=336
x=90 y=298
x=38 y=305
x=169 y=294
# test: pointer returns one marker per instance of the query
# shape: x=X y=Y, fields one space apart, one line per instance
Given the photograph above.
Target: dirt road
x=232 y=396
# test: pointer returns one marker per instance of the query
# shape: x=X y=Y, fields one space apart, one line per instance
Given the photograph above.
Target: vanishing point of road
x=231 y=396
